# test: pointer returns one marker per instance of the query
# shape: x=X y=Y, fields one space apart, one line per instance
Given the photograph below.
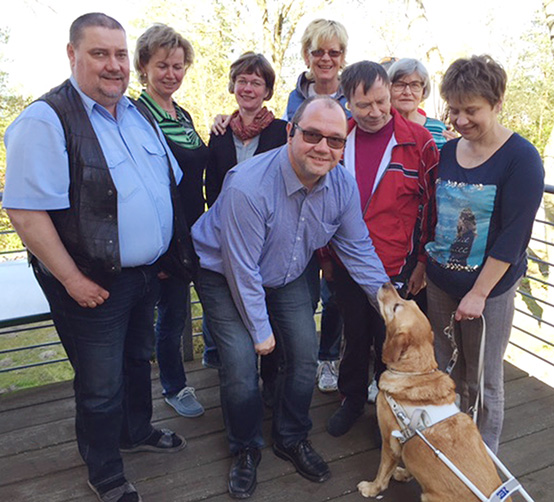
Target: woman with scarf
x=253 y=128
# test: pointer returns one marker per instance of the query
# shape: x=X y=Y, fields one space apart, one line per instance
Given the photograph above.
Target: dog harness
x=418 y=418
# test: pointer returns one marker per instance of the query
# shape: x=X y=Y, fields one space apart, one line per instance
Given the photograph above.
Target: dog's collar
x=411 y=373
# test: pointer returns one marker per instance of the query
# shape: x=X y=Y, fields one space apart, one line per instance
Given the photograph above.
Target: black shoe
x=343 y=419
x=242 y=476
x=307 y=461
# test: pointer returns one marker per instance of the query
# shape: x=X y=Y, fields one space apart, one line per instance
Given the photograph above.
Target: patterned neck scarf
x=262 y=119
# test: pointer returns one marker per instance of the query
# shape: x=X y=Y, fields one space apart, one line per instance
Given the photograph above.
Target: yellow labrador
x=413 y=381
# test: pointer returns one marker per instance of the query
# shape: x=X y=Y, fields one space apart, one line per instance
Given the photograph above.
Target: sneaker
x=122 y=493
x=327 y=376
x=372 y=391
x=343 y=419
x=185 y=403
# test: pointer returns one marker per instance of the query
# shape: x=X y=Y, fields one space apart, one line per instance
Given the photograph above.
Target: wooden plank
x=56 y=402
x=525 y=390
x=528 y=454
x=42 y=450
x=52 y=423
x=525 y=419
x=540 y=484
x=512 y=372
x=36 y=395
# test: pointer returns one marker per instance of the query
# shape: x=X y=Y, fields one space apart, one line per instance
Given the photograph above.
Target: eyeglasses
x=333 y=53
x=415 y=86
x=314 y=138
x=256 y=84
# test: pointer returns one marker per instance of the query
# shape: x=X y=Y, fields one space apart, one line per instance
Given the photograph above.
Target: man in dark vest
x=90 y=188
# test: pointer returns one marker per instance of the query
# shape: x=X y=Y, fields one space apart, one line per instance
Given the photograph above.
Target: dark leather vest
x=88 y=228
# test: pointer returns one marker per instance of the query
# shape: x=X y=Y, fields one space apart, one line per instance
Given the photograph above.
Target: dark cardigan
x=222 y=154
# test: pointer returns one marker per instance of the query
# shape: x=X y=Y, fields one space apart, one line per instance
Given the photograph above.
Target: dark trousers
x=363 y=329
x=173 y=311
x=109 y=348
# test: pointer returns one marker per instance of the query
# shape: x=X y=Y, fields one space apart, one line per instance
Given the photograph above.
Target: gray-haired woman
x=410 y=86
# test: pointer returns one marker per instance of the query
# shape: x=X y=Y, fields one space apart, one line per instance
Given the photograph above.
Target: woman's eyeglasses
x=319 y=53
x=256 y=84
x=415 y=86
x=314 y=138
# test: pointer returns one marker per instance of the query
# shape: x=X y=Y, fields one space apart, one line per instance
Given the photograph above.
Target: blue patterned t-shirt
x=484 y=211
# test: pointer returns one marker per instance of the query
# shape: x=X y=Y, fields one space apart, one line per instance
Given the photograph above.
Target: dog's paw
x=401 y=474
x=368 y=489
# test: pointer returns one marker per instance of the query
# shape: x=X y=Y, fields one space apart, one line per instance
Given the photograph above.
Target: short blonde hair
x=321 y=31
x=156 y=37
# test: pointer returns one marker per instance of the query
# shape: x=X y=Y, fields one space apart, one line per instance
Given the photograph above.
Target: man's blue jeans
x=173 y=310
x=331 y=317
x=109 y=348
x=291 y=315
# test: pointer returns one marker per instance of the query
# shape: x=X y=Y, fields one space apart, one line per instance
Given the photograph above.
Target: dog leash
x=449 y=332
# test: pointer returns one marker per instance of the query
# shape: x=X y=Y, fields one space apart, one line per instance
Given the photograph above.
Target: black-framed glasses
x=314 y=138
x=415 y=86
x=333 y=53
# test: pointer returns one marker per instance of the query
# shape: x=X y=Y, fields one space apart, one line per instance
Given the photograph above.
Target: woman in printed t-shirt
x=489 y=187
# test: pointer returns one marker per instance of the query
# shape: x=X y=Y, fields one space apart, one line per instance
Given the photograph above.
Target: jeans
x=331 y=323
x=498 y=314
x=331 y=319
x=109 y=348
x=173 y=311
x=291 y=316
x=363 y=328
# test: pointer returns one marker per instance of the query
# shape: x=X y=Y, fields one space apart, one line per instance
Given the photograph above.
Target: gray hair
x=407 y=66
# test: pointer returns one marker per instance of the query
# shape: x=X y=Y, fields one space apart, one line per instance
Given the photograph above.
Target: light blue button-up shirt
x=265 y=226
x=37 y=174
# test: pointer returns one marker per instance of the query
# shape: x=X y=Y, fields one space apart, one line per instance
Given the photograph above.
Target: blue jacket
x=301 y=93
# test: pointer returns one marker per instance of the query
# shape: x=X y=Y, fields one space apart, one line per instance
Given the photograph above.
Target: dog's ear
x=395 y=346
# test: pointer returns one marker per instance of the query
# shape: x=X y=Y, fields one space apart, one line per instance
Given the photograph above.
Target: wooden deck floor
x=39 y=459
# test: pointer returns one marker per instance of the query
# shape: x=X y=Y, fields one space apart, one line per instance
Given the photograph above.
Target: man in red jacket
x=394 y=162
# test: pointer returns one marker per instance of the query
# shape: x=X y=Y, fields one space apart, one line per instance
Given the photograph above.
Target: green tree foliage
x=11 y=105
x=220 y=31
x=529 y=103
